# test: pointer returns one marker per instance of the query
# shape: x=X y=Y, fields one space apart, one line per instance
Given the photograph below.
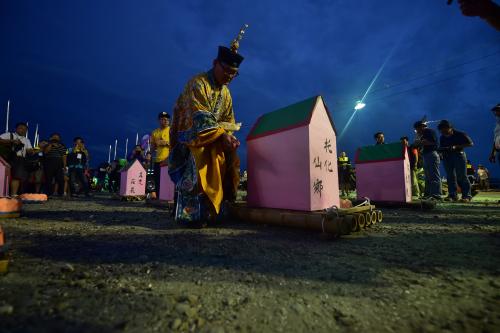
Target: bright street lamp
x=359 y=105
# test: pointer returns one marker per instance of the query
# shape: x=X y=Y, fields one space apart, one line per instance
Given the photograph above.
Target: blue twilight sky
x=104 y=69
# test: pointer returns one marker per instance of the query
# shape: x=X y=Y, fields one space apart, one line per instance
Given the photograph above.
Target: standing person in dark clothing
x=77 y=163
x=413 y=157
x=54 y=165
x=136 y=154
x=102 y=175
x=37 y=174
x=452 y=144
x=427 y=140
x=150 y=173
x=344 y=171
x=379 y=138
x=114 y=176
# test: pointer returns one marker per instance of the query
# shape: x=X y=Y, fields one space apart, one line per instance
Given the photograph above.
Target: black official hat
x=163 y=115
x=419 y=123
x=496 y=108
x=444 y=124
x=229 y=57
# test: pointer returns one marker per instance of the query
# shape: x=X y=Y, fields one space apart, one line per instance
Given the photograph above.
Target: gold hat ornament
x=230 y=56
x=235 y=44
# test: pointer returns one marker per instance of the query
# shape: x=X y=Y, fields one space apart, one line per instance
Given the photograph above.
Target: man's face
x=380 y=138
x=420 y=130
x=55 y=138
x=404 y=142
x=21 y=130
x=224 y=73
x=446 y=131
x=43 y=144
x=497 y=112
x=164 y=122
x=78 y=143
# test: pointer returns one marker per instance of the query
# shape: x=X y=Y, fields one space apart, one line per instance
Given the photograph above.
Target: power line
x=425 y=86
x=430 y=74
x=436 y=72
x=434 y=83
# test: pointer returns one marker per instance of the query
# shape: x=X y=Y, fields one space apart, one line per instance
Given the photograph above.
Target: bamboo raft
x=335 y=222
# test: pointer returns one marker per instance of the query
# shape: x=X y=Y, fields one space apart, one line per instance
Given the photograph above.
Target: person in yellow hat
x=203 y=162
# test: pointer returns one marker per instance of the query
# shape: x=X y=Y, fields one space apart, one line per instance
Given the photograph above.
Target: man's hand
x=162 y=143
x=230 y=142
x=480 y=8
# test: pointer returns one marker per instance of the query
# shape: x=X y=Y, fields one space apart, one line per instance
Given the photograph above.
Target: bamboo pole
x=351 y=221
x=345 y=225
x=361 y=220
x=36 y=134
x=368 y=219
x=7 y=118
x=302 y=220
x=126 y=148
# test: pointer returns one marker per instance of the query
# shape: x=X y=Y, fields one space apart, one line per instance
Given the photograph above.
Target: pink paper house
x=167 y=186
x=4 y=178
x=383 y=173
x=292 y=158
x=133 y=180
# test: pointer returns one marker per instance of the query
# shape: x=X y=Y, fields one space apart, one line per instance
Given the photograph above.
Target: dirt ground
x=102 y=265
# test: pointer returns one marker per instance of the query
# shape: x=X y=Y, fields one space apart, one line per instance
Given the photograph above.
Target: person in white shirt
x=19 y=145
x=496 y=135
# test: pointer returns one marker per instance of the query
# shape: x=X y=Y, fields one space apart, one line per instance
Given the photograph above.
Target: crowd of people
x=56 y=170
x=426 y=154
x=49 y=168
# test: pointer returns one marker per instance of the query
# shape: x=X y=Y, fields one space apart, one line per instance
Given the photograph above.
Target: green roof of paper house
x=377 y=153
x=292 y=116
